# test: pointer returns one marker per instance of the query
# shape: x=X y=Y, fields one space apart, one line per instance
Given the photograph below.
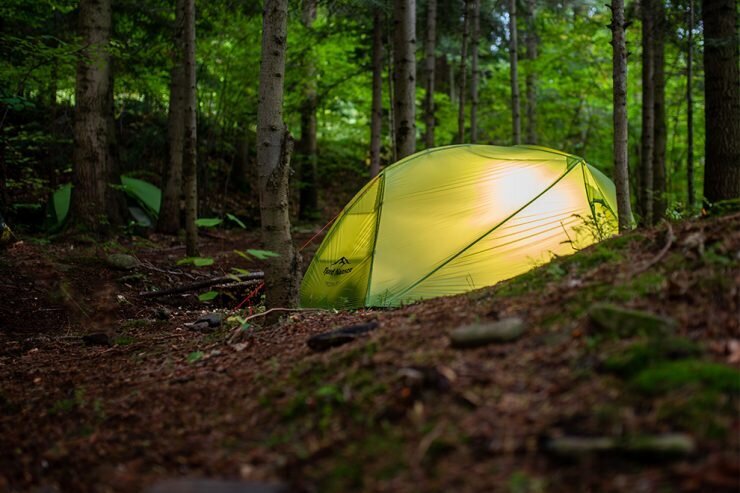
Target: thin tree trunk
x=451 y=78
x=274 y=145
x=691 y=198
x=619 y=78
x=169 y=220
x=531 y=80
x=475 y=73
x=115 y=199
x=376 y=118
x=391 y=96
x=404 y=75
x=648 y=112
x=514 y=62
x=659 y=134
x=308 y=146
x=430 y=46
x=90 y=155
x=190 y=143
x=463 y=74
x=722 y=95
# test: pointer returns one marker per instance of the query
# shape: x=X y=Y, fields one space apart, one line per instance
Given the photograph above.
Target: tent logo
x=337 y=269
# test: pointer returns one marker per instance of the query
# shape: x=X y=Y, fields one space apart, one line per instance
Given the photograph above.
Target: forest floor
x=399 y=410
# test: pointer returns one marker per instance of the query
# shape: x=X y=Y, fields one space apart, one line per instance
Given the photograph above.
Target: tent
x=452 y=219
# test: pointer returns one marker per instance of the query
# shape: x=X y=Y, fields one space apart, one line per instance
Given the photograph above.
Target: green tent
x=457 y=218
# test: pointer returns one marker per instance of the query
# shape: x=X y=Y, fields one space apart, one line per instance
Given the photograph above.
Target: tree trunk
x=659 y=133
x=430 y=46
x=274 y=145
x=531 y=79
x=404 y=75
x=722 y=94
x=691 y=195
x=376 y=118
x=391 y=93
x=463 y=74
x=475 y=73
x=648 y=112
x=513 y=48
x=114 y=197
x=169 y=220
x=190 y=143
x=308 y=204
x=90 y=155
x=451 y=78
x=619 y=78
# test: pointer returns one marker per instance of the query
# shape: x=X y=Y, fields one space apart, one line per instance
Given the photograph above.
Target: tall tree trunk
x=404 y=75
x=376 y=118
x=451 y=78
x=531 y=80
x=274 y=145
x=308 y=205
x=90 y=155
x=659 y=134
x=514 y=61
x=722 y=94
x=463 y=74
x=648 y=114
x=391 y=93
x=619 y=79
x=691 y=195
x=430 y=47
x=190 y=143
x=114 y=197
x=475 y=72
x=169 y=220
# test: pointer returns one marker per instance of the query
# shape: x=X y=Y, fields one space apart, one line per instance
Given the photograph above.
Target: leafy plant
x=196 y=261
x=208 y=222
x=208 y=295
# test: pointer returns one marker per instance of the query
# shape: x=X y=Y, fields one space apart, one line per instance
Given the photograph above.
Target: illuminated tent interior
x=453 y=219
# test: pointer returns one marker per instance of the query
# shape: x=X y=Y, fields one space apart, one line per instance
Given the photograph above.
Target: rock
x=625 y=322
x=667 y=445
x=326 y=340
x=122 y=261
x=571 y=445
x=504 y=330
x=212 y=319
x=97 y=339
x=203 y=327
x=185 y=485
x=162 y=313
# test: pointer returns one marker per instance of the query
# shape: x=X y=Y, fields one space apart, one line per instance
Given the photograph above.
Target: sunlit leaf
x=208 y=295
x=262 y=254
x=207 y=222
x=236 y=220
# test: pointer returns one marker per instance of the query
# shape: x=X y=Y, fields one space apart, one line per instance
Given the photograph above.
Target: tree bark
x=619 y=79
x=169 y=220
x=722 y=95
x=404 y=75
x=691 y=194
x=451 y=78
x=91 y=128
x=114 y=197
x=648 y=112
x=659 y=133
x=531 y=80
x=430 y=47
x=463 y=73
x=475 y=73
x=308 y=204
x=190 y=143
x=274 y=145
x=376 y=118
x=514 y=62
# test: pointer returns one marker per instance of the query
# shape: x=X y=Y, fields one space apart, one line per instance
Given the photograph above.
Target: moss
x=673 y=375
x=642 y=355
x=707 y=413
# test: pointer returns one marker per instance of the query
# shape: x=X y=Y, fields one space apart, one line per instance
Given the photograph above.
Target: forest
x=369 y=245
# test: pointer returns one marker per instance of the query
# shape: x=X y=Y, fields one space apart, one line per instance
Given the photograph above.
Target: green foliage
x=208 y=296
x=207 y=222
x=195 y=356
x=642 y=355
x=674 y=375
x=196 y=261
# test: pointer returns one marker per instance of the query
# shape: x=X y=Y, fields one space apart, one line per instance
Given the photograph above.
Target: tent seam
x=381 y=194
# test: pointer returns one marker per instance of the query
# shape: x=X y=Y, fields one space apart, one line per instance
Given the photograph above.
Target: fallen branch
x=243 y=278
x=670 y=237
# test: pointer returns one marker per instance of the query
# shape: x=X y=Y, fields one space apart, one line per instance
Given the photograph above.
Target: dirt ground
x=397 y=411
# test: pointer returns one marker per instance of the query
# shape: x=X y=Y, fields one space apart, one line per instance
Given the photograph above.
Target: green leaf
x=196 y=261
x=236 y=220
x=243 y=272
x=242 y=254
x=195 y=356
x=143 y=192
x=207 y=222
x=208 y=295
x=262 y=254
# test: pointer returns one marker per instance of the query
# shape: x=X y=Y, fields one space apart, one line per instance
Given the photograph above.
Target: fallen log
x=243 y=279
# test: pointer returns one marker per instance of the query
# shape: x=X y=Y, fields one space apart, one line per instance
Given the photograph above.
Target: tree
x=274 y=146
x=404 y=76
x=475 y=73
x=463 y=73
x=659 y=132
x=93 y=111
x=308 y=145
x=531 y=80
x=514 y=62
x=722 y=95
x=619 y=95
x=169 y=220
x=376 y=118
x=691 y=195
x=190 y=139
x=648 y=113
x=430 y=47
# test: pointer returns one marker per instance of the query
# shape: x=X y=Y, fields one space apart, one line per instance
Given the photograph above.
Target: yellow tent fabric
x=452 y=219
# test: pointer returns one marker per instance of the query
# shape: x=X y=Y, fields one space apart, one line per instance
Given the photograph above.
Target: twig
x=238 y=330
x=670 y=237
x=252 y=276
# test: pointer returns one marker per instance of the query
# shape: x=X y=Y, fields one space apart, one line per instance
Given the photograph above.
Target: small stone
x=212 y=319
x=97 y=339
x=162 y=313
x=122 y=261
x=185 y=485
x=625 y=322
x=665 y=445
x=572 y=445
x=504 y=330
x=668 y=444
x=203 y=327
x=338 y=337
